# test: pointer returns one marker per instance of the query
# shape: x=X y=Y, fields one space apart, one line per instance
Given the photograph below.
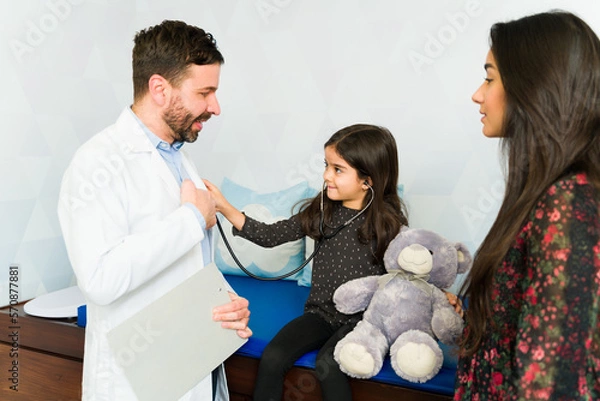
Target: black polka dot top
x=340 y=259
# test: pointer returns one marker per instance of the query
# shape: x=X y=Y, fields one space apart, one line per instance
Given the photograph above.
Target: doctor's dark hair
x=549 y=64
x=371 y=150
x=168 y=49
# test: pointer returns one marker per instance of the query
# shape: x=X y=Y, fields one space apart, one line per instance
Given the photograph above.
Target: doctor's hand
x=235 y=315
x=201 y=199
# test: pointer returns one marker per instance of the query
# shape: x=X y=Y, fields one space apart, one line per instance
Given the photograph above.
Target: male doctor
x=135 y=215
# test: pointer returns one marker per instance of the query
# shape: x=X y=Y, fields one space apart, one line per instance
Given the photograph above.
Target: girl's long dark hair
x=549 y=64
x=371 y=150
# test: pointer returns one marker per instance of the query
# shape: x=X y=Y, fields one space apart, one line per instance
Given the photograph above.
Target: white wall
x=296 y=71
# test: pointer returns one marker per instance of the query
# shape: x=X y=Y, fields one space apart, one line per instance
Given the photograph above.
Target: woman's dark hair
x=549 y=64
x=372 y=152
x=168 y=49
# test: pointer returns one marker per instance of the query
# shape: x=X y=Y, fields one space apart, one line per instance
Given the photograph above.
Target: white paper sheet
x=172 y=344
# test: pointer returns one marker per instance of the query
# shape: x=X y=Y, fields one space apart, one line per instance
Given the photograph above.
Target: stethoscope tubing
x=318 y=244
x=249 y=273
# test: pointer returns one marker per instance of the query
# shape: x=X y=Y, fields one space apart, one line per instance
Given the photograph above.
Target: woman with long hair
x=533 y=327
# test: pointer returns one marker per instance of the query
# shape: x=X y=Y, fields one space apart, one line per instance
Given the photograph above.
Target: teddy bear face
x=419 y=251
x=415 y=259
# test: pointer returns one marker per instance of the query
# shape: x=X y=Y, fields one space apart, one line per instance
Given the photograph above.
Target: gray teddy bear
x=406 y=311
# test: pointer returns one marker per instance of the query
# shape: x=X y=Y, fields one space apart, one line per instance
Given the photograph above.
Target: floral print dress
x=543 y=340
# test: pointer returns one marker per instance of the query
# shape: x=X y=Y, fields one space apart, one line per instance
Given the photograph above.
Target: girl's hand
x=456 y=302
x=220 y=200
x=235 y=217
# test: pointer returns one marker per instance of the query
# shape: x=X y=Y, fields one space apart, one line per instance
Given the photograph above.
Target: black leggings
x=303 y=334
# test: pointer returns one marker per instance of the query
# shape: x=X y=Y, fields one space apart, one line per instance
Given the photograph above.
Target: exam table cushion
x=274 y=303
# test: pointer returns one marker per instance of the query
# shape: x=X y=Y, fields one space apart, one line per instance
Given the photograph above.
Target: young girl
x=533 y=321
x=360 y=195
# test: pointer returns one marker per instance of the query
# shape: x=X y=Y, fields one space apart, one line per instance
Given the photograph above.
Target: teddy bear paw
x=416 y=356
x=355 y=359
x=417 y=360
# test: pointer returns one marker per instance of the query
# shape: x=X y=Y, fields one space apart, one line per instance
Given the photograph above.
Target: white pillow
x=268 y=208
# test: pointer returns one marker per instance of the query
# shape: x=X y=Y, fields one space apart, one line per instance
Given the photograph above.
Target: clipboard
x=171 y=345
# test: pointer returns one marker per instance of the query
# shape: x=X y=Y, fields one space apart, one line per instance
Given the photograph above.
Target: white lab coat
x=129 y=241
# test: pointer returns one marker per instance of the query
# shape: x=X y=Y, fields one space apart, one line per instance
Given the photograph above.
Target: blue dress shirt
x=172 y=157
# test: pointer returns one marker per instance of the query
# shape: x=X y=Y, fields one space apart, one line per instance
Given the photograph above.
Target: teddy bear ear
x=464 y=258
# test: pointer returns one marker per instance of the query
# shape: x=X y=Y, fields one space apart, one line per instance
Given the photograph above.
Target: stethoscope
x=324 y=237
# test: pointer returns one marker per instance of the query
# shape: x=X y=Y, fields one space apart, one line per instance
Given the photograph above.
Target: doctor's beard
x=181 y=122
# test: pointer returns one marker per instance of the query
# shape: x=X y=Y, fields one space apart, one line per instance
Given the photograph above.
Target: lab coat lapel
x=138 y=143
x=197 y=180
x=162 y=170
